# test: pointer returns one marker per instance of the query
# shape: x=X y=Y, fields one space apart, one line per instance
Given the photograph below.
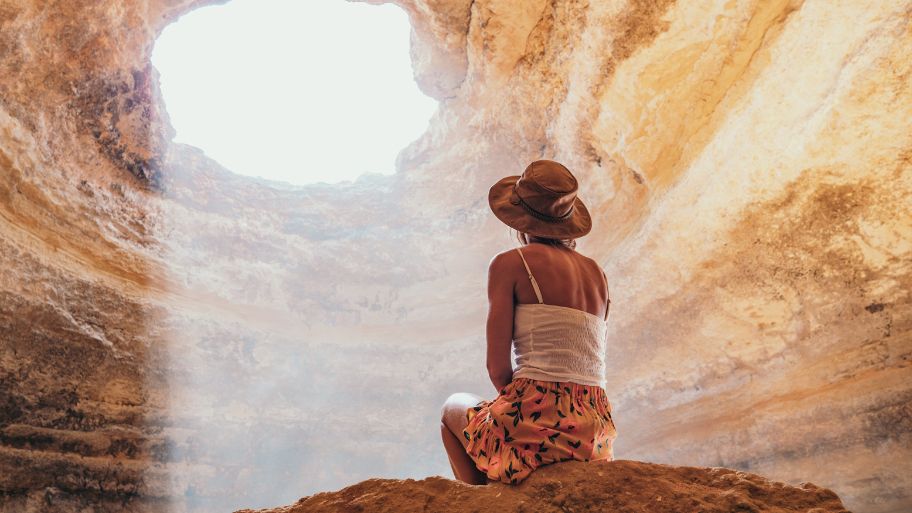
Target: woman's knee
x=455 y=405
x=445 y=411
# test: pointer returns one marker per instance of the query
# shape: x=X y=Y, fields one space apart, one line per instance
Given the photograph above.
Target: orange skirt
x=534 y=423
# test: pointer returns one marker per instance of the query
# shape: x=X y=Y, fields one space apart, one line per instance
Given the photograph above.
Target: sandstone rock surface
x=170 y=331
x=618 y=486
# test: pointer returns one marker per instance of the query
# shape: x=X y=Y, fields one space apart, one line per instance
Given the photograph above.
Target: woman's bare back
x=564 y=276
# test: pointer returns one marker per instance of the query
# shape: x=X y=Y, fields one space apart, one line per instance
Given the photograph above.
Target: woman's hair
x=523 y=238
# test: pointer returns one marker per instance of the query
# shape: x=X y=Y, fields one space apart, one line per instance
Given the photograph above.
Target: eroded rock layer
x=177 y=337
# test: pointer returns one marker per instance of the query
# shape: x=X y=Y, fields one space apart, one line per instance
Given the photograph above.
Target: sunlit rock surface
x=178 y=338
x=617 y=486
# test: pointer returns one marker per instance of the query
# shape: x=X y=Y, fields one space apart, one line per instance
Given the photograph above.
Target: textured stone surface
x=178 y=337
x=619 y=486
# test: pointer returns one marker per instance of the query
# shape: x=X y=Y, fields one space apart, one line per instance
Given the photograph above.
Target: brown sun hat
x=541 y=202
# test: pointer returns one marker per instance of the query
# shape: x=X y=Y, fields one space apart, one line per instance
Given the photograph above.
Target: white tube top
x=559 y=343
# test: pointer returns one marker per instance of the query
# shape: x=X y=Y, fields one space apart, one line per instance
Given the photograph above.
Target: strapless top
x=559 y=343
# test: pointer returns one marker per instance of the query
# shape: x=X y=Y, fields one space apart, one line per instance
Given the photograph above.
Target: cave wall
x=177 y=337
x=82 y=381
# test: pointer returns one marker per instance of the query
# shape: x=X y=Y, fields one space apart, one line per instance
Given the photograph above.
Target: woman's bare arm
x=500 y=323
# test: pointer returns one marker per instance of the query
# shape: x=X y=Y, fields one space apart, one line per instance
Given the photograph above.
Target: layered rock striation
x=177 y=337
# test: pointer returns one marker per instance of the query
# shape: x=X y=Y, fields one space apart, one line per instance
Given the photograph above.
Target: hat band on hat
x=542 y=215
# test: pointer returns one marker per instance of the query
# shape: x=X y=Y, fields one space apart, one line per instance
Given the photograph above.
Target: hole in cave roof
x=290 y=91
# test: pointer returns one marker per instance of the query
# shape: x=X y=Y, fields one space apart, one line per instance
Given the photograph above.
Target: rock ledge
x=617 y=486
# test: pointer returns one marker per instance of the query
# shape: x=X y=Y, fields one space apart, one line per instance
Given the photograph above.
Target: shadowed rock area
x=619 y=486
x=175 y=337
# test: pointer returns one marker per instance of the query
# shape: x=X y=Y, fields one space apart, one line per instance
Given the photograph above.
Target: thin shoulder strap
x=531 y=278
x=608 y=293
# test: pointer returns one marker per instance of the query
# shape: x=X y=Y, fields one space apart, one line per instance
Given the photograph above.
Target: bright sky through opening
x=301 y=92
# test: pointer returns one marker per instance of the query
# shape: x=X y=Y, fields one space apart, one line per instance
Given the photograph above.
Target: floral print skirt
x=534 y=423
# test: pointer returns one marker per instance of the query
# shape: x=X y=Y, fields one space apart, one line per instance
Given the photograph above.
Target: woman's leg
x=452 y=422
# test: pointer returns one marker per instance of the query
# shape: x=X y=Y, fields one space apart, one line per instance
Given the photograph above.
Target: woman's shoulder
x=541 y=251
x=505 y=254
x=504 y=262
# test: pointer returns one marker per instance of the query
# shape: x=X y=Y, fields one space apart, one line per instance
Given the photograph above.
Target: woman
x=550 y=304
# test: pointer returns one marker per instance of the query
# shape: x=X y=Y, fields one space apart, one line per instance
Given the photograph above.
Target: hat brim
x=515 y=216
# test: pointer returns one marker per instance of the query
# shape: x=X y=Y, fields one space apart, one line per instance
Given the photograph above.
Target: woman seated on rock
x=553 y=406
